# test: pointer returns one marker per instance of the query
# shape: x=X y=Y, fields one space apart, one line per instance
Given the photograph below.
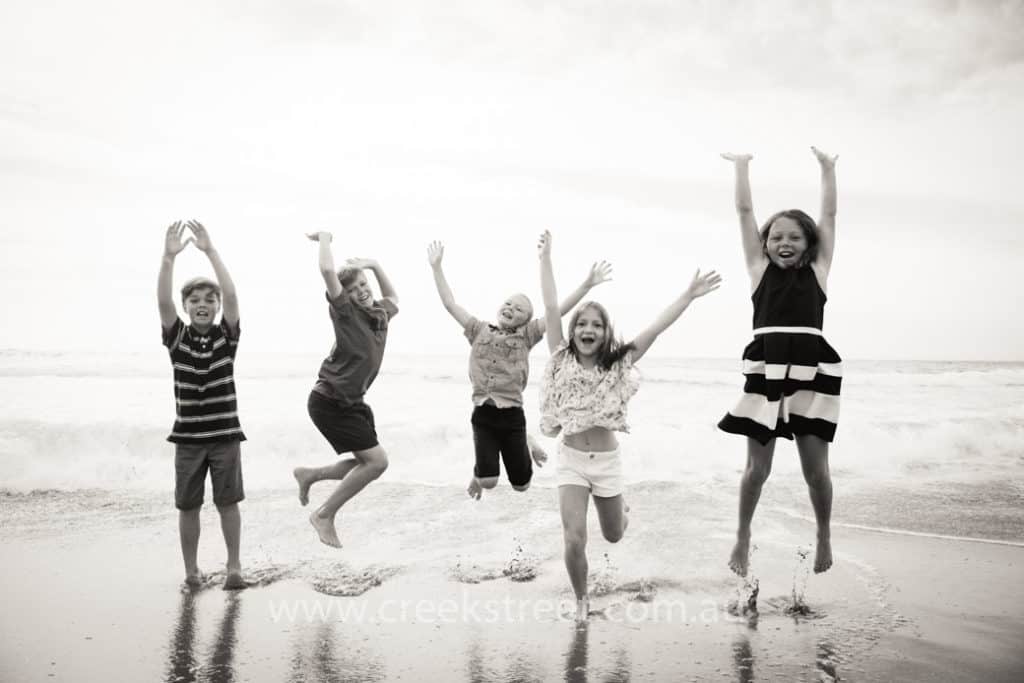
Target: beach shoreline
x=101 y=598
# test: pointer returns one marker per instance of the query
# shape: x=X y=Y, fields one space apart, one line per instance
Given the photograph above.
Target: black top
x=788 y=297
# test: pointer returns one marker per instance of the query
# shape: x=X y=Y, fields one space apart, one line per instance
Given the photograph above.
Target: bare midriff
x=594 y=439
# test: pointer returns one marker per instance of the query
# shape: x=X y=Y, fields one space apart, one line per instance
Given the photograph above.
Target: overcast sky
x=481 y=124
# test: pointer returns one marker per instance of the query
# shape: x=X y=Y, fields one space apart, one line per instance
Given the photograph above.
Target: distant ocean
x=926 y=447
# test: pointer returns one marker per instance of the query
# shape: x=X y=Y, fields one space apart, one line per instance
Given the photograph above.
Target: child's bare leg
x=814 y=462
x=188 y=532
x=231 y=527
x=478 y=484
x=611 y=513
x=307 y=476
x=572 y=501
x=759 y=466
x=371 y=463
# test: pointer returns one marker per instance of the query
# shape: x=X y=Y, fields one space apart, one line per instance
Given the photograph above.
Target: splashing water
x=522 y=566
x=605 y=580
x=801 y=572
x=345 y=581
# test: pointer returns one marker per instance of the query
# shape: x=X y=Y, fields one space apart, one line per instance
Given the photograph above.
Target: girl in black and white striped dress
x=792 y=375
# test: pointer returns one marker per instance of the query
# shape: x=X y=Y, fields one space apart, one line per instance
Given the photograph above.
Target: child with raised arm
x=336 y=402
x=499 y=366
x=585 y=392
x=792 y=375
x=206 y=433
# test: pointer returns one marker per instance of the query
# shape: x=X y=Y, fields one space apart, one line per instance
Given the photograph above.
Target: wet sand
x=95 y=595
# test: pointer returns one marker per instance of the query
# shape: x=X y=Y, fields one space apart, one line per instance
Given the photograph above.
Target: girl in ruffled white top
x=585 y=391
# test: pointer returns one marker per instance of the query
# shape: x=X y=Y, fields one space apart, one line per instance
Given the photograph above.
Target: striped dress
x=204 y=383
x=792 y=375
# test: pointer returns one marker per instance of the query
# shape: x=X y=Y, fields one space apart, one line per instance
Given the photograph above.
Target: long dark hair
x=807 y=226
x=612 y=349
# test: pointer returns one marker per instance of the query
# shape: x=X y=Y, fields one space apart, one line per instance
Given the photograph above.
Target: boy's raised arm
x=326 y=263
x=229 y=295
x=435 y=253
x=173 y=245
x=552 y=314
x=699 y=286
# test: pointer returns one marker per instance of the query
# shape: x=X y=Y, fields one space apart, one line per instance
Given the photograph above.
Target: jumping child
x=792 y=375
x=336 y=402
x=585 y=391
x=499 y=366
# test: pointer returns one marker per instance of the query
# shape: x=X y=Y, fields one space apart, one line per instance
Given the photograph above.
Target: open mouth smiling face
x=589 y=333
x=786 y=243
x=515 y=312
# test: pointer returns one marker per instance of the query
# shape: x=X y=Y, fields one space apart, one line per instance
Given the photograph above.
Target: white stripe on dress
x=798 y=372
x=807 y=404
x=787 y=330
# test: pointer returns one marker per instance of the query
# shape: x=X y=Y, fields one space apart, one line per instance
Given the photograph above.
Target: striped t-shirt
x=204 y=383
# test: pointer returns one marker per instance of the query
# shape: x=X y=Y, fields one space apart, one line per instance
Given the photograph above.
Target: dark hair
x=612 y=349
x=346 y=276
x=807 y=225
x=199 y=283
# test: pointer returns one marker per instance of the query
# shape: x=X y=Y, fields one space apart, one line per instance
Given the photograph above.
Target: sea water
x=931 y=447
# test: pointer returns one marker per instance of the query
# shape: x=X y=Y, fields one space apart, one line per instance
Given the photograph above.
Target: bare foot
x=823 y=556
x=325 y=529
x=234 y=581
x=740 y=557
x=303 y=475
x=582 y=610
x=474 y=489
x=194 y=579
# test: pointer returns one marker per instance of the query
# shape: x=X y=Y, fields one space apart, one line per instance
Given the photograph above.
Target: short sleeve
x=341 y=305
x=389 y=306
x=232 y=334
x=472 y=329
x=172 y=334
x=533 y=332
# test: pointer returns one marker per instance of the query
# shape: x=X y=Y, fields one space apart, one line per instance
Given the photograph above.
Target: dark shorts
x=347 y=428
x=191 y=461
x=501 y=430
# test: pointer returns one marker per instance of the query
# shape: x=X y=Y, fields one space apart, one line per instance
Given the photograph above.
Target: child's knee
x=757 y=472
x=521 y=487
x=378 y=463
x=817 y=477
x=613 y=535
x=575 y=541
x=487 y=482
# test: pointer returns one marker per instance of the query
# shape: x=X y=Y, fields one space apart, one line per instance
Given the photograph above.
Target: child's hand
x=173 y=243
x=826 y=160
x=360 y=263
x=599 y=272
x=435 y=252
x=202 y=240
x=737 y=158
x=703 y=284
x=321 y=236
x=544 y=244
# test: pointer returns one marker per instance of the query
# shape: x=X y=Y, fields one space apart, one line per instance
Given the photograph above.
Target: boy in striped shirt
x=206 y=433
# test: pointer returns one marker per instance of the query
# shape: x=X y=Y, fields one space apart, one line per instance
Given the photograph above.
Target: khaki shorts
x=599 y=471
x=191 y=461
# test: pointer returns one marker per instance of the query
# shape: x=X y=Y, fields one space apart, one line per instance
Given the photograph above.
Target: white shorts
x=599 y=471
